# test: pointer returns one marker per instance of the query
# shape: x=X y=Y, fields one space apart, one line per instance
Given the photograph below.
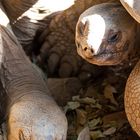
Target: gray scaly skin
x=29 y=112
x=104 y=55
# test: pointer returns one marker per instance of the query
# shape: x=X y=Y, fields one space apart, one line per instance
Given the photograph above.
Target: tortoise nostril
x=92 y=51
x=88 y=50
x=85 y=48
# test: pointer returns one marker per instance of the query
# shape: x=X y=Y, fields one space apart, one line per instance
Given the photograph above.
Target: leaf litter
x=100 y=113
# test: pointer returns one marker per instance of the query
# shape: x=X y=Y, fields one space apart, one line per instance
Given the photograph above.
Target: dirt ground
x=98 y=109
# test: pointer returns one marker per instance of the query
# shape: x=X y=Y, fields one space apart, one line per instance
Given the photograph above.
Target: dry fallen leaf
x=96 y=134
x=97 y=105
x=110 y=131
x=85 y=100
x=71 y=106
x=84 y=134
x=119 y=118
x=92 y=92
x=93 y=123
x=108 y=93
x=81 y=116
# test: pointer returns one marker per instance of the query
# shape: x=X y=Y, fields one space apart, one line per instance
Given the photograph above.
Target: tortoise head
x=105 y=34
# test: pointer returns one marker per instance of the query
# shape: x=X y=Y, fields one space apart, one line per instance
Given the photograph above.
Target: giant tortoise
x=56 y=45
x=29 y=112
x=107 y=35
x=57 y=21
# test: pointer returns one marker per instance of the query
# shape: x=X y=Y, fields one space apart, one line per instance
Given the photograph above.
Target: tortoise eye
x=113 y=37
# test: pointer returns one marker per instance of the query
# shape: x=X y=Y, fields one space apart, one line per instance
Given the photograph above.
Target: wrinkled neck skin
x=27 y=107
x=15 y=68
x=17 y=75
